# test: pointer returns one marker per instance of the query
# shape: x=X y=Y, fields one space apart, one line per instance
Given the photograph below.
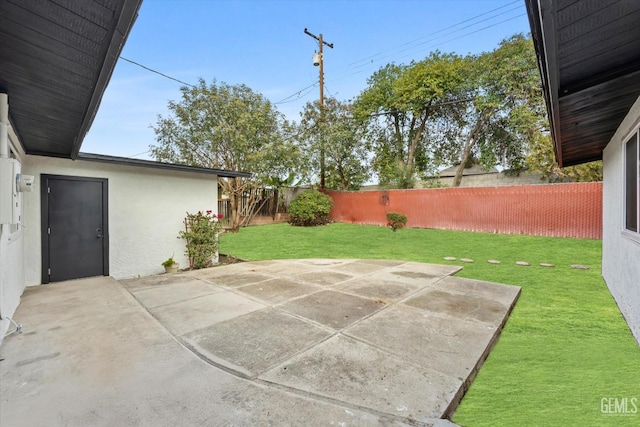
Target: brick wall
x=557 y=210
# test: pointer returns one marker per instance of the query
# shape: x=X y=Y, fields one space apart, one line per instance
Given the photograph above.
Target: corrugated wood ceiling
x=56 y=58
x=589 y=53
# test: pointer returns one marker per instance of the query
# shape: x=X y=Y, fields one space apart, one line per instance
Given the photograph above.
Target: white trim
x=631 y=236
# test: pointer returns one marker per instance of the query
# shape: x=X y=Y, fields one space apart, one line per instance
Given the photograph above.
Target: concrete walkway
x=295 y=342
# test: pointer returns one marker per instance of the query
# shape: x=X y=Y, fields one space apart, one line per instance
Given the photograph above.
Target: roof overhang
x=125 y=161
x=56 y=59
x=589 y=60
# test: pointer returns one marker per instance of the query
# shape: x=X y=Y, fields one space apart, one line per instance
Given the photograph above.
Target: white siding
x=621 y=254
x=146 y=210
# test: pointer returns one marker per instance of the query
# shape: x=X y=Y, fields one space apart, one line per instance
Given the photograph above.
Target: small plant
x=201 y=234
x=310 y=208
x=396 y=220
x=169 y=262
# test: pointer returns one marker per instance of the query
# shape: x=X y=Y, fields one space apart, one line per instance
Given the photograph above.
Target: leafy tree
x=226 y=127
x=333 y=128
x=541 y=159
x=399 y=106
x=505 y=112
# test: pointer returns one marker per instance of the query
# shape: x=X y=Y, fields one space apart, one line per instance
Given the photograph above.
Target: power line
x=298 y=93
x=139 y=154
x=446 y=34
x=473 y=32
x=442 y=30
x=157 y=72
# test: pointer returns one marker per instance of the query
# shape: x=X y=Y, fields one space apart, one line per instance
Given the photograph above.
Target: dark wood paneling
x=55 y=60
x=588 y=119
x=577 y=14
x=594 y=79
x=49 y=30
x=91 y=11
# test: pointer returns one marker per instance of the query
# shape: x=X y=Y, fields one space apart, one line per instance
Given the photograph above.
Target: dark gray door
x=75 y=212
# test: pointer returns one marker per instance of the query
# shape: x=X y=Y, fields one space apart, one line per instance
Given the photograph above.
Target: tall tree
x=226 y=127
x=334 y=127
x=505 y=112
x=398 y=107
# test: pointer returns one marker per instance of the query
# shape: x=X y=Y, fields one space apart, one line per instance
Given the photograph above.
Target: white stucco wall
x=620 y=253
x=12 y=282
x=146 y=210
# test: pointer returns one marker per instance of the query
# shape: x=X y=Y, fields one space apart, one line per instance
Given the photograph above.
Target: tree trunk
x=235 y=217
x=465 y=156
x=414 y=143
x=468 y=145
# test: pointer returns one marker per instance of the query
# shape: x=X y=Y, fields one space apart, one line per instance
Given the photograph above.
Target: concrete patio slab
x=197 y=313
x=361 y=267
x=278 y=290
x=234 y=279
x=333 y=309
x=464 y=306
x=324 y=278
x=154 y=281
x=378 y=288
x=491 y=291
x=242 y=344
x=283 y=342
x=170 y=293
x=351 y=371
x=281 y=269
x=418 y=336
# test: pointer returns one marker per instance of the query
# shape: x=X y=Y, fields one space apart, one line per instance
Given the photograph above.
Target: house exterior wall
x=620 y=252
x=12 y=282
x=146 y=211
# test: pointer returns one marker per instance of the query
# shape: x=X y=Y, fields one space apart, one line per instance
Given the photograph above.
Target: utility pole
x=320 y=62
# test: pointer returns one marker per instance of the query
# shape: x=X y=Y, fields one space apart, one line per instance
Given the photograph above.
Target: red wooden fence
x=557 y=210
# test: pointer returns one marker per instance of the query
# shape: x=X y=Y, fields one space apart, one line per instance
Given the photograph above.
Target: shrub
x=310 y=208
x=396 y=220
x=201 y=234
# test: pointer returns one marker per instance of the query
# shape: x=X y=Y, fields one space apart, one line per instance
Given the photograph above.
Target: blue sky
x=261 y=44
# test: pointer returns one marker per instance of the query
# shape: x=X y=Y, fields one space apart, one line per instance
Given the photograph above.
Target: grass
x=565 y=346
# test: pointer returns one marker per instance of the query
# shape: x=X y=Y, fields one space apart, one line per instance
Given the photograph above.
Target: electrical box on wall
x=24 y=183
x=9 y=198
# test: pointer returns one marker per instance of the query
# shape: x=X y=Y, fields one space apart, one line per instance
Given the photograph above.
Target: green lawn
x=565 y=346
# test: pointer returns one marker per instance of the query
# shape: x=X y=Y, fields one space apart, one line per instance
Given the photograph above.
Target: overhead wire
x=412 y=51
x=442 y=30
x=300 y=93
x=157 y=72
x=288 y=100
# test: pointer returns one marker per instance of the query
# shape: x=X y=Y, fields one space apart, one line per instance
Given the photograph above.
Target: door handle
x=99 y=234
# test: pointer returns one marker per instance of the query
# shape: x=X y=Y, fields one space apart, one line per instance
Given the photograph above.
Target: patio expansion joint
x=345 y=404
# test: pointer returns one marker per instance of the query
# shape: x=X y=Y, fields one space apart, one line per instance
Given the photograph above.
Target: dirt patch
x=224 y=259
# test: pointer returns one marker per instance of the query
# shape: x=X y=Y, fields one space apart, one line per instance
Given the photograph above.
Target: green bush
x=396 y=220
x=202 y=238
x=310 y=208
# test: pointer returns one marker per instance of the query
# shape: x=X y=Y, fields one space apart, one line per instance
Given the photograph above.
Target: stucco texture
x=620 y=250
x=147 y=207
